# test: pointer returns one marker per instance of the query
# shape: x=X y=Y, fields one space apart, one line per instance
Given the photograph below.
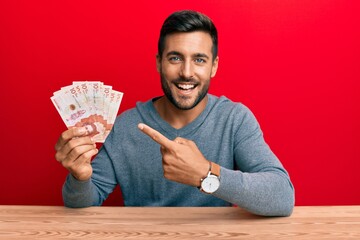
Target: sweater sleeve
x=261 y=185
x=77 y=193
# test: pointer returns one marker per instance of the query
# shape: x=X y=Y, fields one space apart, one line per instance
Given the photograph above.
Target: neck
x=178 y=118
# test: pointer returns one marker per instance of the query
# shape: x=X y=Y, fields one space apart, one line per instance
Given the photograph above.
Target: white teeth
x=186 y=86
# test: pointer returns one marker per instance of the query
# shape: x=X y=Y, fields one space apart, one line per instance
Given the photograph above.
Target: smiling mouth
x=185 y=86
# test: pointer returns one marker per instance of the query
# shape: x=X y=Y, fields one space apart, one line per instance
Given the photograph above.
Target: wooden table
x=50 y=222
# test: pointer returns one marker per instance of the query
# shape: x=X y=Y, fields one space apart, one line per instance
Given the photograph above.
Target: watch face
x=210 y=184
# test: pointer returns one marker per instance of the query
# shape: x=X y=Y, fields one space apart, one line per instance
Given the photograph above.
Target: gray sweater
x=227 y=133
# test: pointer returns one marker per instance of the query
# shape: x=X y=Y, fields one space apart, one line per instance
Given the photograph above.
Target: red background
x=296 y=64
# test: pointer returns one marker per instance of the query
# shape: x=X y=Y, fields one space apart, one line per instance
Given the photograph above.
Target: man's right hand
x=74 y=150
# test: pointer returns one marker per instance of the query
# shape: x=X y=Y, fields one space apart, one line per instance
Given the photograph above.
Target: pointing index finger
x=155 y=135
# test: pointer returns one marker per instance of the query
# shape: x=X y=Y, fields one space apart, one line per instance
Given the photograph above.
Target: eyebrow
x=202 y=55
x=173 y=53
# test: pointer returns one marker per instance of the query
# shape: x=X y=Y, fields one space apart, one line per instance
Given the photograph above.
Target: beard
x=184 y=102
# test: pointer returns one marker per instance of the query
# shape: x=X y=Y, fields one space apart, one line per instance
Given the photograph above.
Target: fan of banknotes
x=89 y=104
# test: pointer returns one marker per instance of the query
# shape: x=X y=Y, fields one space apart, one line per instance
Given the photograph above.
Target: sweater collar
x=184 y=131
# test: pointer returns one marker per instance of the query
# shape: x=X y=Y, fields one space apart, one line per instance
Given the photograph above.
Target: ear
x=214 y=67
x=158 y=63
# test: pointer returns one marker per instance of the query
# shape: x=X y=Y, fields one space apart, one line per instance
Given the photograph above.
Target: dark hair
x=188 y=21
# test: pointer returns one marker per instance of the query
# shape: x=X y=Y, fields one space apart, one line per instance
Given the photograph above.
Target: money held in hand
x=89 y=104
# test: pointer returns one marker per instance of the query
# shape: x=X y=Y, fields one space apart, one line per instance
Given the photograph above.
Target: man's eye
x=174 y=59
x=200 y=60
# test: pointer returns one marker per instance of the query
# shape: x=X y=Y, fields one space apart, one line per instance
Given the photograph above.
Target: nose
x=187 y=69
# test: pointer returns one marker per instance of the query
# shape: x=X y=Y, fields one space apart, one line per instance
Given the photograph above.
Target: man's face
x=186 y=67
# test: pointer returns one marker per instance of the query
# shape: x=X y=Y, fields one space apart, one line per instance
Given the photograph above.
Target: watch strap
x=215 y=169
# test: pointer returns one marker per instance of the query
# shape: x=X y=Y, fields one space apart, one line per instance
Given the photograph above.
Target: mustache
x=185 y=80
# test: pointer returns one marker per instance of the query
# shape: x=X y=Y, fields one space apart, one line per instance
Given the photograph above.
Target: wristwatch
x=211 y=182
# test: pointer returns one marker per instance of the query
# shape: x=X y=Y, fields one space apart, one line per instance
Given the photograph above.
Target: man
x=201 y=150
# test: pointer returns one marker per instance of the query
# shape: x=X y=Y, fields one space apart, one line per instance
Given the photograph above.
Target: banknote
x=90 y=104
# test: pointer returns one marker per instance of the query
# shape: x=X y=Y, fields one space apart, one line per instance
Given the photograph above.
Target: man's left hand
x=182 y=160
